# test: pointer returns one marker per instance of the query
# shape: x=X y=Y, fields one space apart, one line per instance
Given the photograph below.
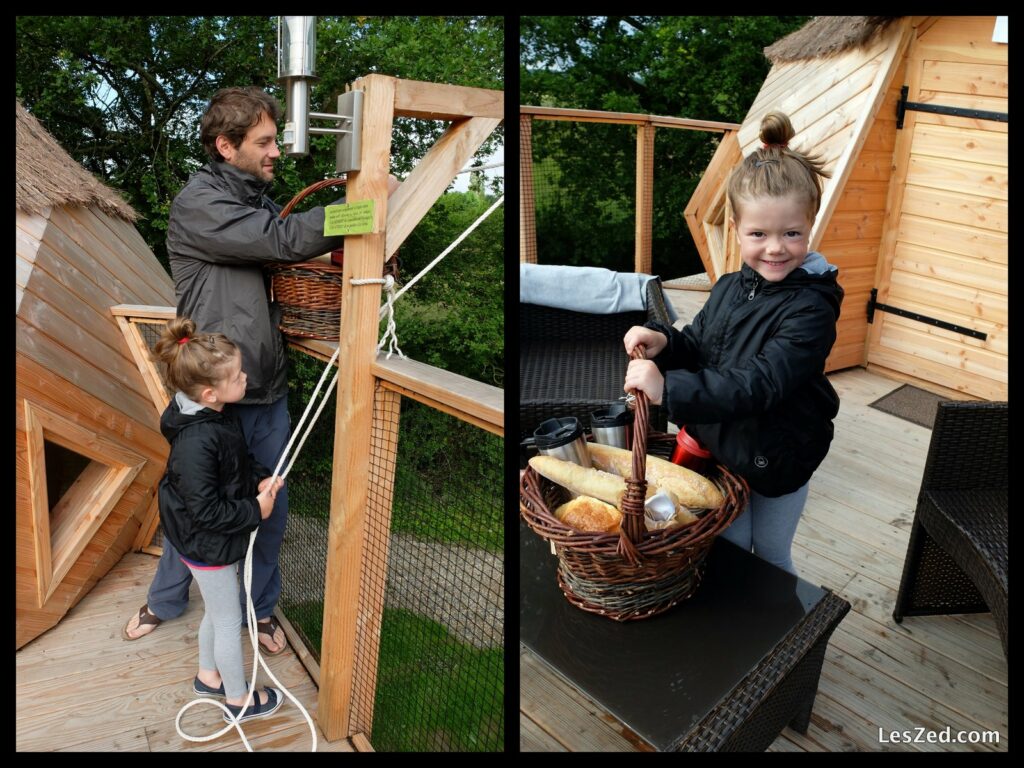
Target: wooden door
x=944 y=248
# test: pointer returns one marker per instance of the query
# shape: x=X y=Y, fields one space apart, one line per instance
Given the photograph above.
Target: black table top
x=661 y=676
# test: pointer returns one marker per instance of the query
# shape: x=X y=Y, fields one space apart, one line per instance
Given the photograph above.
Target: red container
x=338 y=257
x=689 y=453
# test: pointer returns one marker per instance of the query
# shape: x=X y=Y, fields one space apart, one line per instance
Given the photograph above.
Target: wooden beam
x=644 y=197
x=631 y=118
x=466 y=399
x=40 y=512
x=140 y=353
x=527 y=216
x=705 y=201
x=432 y=175
x=437 y=101
x=361 y=743
x=461 y=396
x=150 y=521
x=143 y=311
x=891 y=58
x=364 y=255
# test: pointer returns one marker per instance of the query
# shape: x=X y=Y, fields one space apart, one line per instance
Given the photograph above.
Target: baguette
x=690 y=488
x=586 y=513
x=581 y=481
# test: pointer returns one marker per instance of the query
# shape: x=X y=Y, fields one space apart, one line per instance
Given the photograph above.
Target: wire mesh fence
x=584 y=179
x=429 y=654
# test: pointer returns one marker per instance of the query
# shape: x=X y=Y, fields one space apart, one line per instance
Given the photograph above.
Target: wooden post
x=644 y=196
x=527 y=222
x=364 y=258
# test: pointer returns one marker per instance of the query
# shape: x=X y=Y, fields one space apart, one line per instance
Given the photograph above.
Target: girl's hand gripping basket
x=309 y=292
x=632 y=573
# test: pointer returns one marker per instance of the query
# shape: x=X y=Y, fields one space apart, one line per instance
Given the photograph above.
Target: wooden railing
x=645 y=127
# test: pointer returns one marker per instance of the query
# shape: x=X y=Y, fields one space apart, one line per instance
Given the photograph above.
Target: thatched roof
x=47 y=176
x=826 y=36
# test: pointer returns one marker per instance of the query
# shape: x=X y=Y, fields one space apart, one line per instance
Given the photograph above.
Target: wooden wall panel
x=73 y=361
x=945 y=248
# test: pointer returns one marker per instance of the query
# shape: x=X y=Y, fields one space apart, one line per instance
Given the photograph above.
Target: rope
x=389 y=331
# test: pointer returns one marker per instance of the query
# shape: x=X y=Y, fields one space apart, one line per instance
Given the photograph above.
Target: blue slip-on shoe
x=199 y=688
x=255 y=710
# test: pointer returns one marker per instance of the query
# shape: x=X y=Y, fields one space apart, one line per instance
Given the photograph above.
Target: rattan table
x=725 y=671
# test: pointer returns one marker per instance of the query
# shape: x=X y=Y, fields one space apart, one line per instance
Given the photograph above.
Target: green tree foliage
x=123 y=94
x=698 y=67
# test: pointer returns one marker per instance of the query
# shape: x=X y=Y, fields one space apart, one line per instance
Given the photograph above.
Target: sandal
x=255 y=710
x=269 y=628
x=145 y=618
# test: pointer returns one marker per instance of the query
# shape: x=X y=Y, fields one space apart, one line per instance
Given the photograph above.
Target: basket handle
x=636 y=486
x=316 y=186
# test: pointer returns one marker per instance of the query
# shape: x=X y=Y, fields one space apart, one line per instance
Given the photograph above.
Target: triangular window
x=75 y=479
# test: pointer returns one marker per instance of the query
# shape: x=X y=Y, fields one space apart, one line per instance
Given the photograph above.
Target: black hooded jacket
x=207 y=496
x=747 y=376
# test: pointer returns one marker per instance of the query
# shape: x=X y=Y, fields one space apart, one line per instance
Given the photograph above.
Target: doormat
x=910 y=403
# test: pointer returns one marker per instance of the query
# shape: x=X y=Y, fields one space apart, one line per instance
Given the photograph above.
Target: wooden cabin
x=89 y=448
x=910 y=115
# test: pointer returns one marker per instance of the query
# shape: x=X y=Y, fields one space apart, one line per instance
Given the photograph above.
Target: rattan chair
x=573 y=363
x=957 y=557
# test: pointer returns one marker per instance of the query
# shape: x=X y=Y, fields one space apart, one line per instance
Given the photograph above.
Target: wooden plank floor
x=81 y=687
x=928 y=672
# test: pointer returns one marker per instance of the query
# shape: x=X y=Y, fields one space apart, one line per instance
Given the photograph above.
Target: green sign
x=349 y=219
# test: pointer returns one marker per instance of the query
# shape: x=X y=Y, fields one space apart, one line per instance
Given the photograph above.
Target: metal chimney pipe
x=296 y=62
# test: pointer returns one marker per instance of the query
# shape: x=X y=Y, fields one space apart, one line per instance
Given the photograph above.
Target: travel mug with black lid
x=563 y=439
x=612 y=426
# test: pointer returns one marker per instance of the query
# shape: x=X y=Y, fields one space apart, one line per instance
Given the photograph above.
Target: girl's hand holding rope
x=268 y=488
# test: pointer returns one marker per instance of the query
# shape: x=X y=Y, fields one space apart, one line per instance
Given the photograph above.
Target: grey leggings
x=220 y=640
x=768 y=525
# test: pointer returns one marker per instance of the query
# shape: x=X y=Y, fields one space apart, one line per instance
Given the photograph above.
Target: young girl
x=212 y=496
x=747 y=378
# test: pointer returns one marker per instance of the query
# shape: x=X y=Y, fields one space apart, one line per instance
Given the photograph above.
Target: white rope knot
x=390 y=331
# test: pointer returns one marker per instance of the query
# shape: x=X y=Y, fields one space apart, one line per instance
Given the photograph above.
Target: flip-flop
x=269 y=628
x=145 y=617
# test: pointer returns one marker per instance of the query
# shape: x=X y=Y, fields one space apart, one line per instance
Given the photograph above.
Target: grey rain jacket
x=221 y=231
x=747 y=377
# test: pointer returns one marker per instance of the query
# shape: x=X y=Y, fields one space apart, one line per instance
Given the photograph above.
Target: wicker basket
x=309 y=292
x=635 y=573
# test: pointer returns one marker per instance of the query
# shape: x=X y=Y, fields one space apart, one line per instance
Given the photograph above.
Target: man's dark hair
x=232 y=112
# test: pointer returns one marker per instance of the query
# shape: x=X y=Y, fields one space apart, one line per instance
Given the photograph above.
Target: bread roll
x=581 y=481
x=586 y=513
x=690 y=488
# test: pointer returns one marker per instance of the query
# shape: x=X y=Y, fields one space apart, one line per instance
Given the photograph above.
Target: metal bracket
x=350 y=106
x=979 y=114
x=874 y=304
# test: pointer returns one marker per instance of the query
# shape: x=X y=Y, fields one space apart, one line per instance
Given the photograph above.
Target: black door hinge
x=874 y=304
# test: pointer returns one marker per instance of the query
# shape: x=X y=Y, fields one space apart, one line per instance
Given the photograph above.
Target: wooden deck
x=81 y=687
x=928 y=672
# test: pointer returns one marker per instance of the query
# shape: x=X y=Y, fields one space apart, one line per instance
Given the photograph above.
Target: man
x=222 y=229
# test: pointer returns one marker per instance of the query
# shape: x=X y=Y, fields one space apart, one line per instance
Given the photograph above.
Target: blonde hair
x=775 y=170
x=193 y=360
